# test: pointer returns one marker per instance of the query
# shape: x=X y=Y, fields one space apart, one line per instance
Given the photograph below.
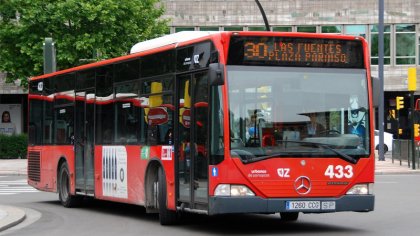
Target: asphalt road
x=397 y=212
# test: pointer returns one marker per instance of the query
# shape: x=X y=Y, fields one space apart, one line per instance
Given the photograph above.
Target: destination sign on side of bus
x=291 y=51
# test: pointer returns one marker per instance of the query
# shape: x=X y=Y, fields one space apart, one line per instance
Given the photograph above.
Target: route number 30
x=339 y=171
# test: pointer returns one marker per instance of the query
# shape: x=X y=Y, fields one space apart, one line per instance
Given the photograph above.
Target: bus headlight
x=361 y=189
x=232 y=190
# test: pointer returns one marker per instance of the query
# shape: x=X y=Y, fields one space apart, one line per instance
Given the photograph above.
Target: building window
x=405 y=44
x=179 y=29
x=209 y=28
x=282 y=28
x=256 y=28
x=355 y=30
x=374 y=47
x=233 y=28
x=331 y=29
x=306 y=29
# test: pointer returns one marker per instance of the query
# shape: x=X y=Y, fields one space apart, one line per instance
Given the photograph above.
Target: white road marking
x=15 y=187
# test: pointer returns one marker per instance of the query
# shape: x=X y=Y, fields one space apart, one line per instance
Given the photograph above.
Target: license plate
x=303 y=205
x=310 y=205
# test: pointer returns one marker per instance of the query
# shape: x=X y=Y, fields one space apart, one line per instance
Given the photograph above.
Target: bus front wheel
x=166 y=216
x=66 y=199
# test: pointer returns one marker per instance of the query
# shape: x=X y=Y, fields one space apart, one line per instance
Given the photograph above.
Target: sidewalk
x=13 y=166
x=388 y=168
x=11 y=216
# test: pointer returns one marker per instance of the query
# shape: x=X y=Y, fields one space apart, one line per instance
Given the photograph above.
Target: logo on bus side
x=145 y=153
x=40 y=86
x=283 y=172
x=166 y=153
x=259 y=173
x=196 y=59
x=114 y=171
x=187 y=60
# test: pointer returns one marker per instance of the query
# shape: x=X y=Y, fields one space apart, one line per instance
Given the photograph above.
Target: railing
x=401 y=151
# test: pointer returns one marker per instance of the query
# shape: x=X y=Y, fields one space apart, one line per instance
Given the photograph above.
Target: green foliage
x=81 y=29
x=14 y=146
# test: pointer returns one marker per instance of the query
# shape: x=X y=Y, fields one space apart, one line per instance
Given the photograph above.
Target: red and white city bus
x=211 y=123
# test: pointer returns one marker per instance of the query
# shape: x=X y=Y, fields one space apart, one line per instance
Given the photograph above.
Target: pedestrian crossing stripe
x=18 y=191
x=15 y=187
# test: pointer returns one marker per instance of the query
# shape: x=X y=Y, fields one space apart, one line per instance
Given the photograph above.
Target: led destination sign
x=288 y=51
x=300 y=52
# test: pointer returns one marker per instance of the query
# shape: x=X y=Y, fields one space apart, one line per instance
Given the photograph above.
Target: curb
x=13 y=216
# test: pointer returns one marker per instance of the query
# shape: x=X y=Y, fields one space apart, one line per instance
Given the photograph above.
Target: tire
x=289 y=216
x=66 y=199
x=166 y=216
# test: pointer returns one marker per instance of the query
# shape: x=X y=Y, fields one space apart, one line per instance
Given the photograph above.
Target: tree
x=81 y=29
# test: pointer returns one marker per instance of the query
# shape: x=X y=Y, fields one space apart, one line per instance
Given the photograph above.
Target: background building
x=353 y=17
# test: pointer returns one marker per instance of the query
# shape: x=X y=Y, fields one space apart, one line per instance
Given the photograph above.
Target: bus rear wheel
x=289 y=216
x=66 y=199
x=166 y=216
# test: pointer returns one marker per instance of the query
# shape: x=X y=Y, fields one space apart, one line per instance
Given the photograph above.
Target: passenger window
x=127 y=106
x=158 y=109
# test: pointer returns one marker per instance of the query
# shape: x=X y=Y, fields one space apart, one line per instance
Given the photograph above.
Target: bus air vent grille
x=34 y=166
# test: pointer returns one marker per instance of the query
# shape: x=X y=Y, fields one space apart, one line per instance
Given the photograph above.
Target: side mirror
x=375 y=91
x=216 y=74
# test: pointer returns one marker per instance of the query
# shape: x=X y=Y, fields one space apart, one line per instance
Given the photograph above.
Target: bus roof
x=186 y=36
x=175 y=38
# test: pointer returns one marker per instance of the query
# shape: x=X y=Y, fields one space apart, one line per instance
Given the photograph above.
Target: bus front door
x=192 y=139
x=84 y=143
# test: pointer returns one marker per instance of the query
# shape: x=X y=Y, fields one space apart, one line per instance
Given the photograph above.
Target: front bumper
x=225 y=205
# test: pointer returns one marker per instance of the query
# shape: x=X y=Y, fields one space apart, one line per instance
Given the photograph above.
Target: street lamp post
x=267 y=26
x=381 y=80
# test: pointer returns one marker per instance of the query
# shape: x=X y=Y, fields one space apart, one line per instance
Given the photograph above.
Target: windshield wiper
x=341 y=155
x=260 y=158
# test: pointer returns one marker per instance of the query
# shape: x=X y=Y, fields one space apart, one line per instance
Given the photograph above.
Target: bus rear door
x=84 y=143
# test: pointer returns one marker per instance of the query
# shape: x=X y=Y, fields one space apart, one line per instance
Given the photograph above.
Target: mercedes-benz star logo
x=303 y=185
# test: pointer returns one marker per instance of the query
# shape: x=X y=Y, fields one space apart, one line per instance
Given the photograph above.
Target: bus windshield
x=295 y=112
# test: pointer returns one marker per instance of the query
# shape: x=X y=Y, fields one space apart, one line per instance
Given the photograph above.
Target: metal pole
x=50 y=63
x=413 y=148
x=381 y=80
x=267 y=26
